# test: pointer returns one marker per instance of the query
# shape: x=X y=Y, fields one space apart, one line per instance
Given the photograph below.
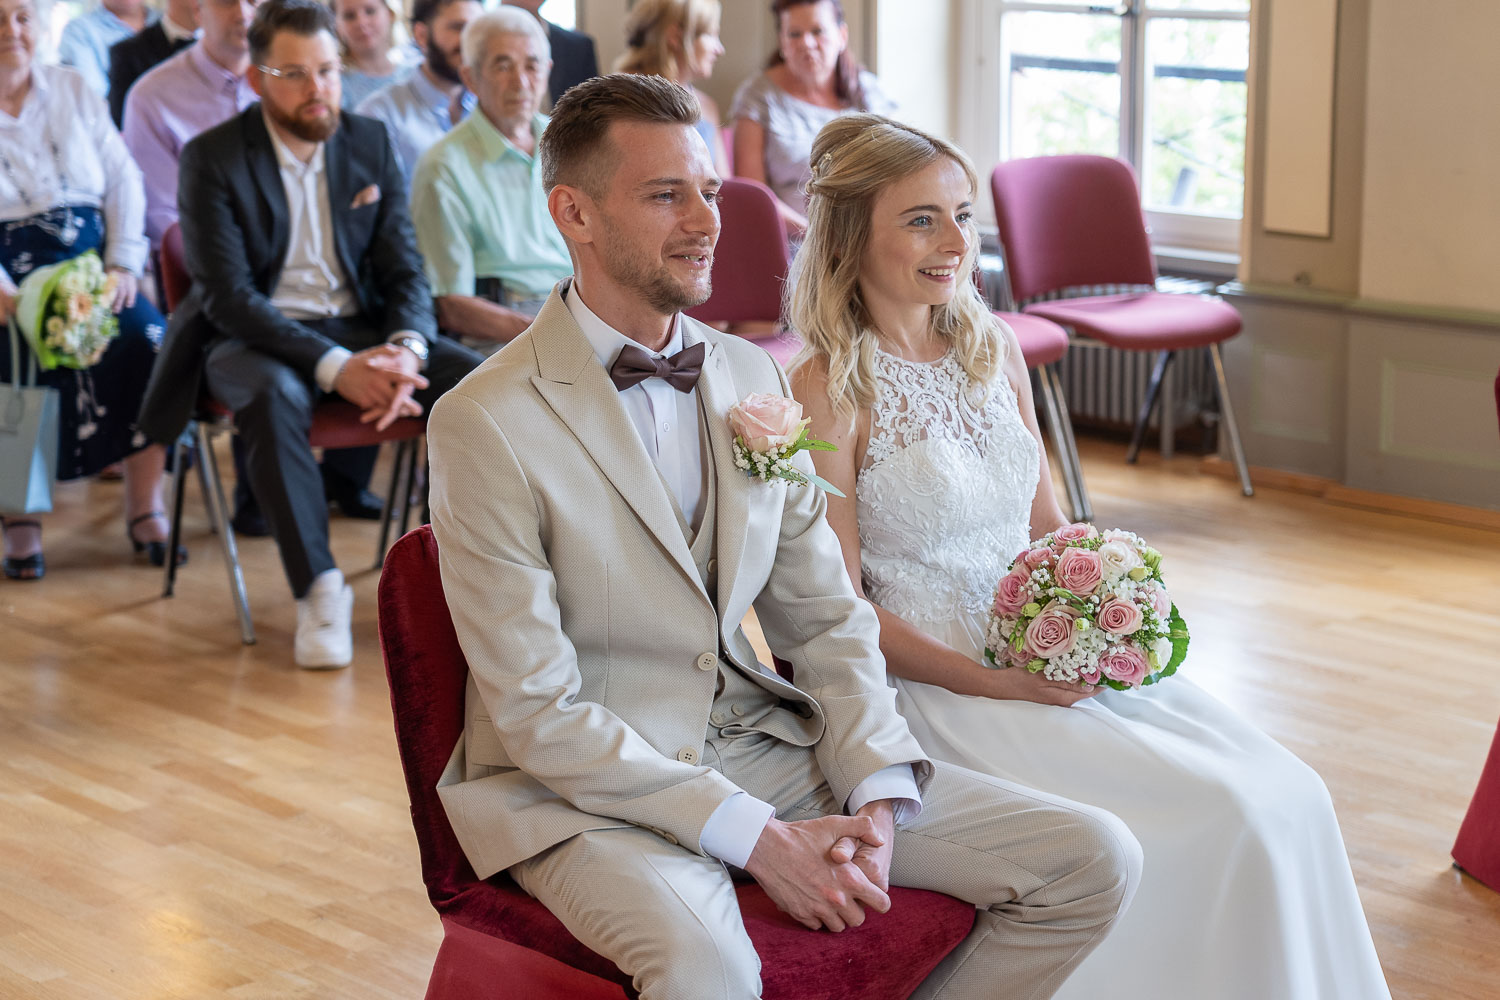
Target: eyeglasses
x=298 y=76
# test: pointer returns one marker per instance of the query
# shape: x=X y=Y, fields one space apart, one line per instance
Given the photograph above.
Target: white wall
x=1432 y=155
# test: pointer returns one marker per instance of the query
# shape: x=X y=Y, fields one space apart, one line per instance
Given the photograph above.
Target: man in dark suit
x=169 y=34
x=573 y=57
x=306 y=282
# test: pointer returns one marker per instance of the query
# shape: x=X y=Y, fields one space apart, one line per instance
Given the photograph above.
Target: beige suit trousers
x=1048 y=876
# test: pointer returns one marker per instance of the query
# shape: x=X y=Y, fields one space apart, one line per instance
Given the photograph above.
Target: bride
x=1247 y=890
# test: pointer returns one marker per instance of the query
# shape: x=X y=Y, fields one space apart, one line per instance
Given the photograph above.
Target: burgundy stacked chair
x=498 y=938
x=1077 y=253
x=750 y=265
x=335 y=424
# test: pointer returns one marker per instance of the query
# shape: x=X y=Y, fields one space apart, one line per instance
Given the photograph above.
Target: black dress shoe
x=249 y=521
x=361 y=504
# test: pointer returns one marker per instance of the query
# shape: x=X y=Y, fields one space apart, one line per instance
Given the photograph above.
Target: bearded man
x=306 y=283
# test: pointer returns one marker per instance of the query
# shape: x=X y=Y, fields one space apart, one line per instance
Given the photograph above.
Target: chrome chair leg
x=1059 y=437
x=1085 y=511
x=180 y=449
x=1153 y=390
x=1226 y=412
x=218 y=516
x=412 y=449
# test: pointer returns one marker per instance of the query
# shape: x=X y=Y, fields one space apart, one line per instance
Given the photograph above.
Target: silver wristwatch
x=417 y=346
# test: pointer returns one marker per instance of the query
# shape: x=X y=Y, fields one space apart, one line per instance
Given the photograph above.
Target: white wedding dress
x=1247 y=891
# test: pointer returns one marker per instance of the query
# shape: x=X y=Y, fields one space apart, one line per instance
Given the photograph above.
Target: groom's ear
x=574 y=213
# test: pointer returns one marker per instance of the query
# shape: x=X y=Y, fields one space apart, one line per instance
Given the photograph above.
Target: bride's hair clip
x=823 y=167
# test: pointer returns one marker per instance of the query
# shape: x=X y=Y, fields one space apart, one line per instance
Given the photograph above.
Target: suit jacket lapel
x=579 y=391
x=731 y=514
x=261 y=158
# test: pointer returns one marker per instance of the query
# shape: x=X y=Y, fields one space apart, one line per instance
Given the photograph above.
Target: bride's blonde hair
x=854 y=158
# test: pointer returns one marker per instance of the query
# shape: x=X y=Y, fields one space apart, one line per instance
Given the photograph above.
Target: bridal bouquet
x=64 y=311
x=1081 y=606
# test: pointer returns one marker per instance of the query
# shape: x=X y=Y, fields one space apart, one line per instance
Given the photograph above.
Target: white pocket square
x=367 y=196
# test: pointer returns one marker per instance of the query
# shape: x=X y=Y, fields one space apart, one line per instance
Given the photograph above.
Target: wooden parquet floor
x=184 y=817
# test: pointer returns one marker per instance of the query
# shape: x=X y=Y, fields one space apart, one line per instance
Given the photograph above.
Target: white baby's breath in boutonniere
x=768 y=430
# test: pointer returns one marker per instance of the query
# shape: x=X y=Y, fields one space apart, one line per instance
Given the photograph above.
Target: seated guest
x=69 y=186
x=492 y=250
x=623 y=749
x=812 y=78
x=679 y=40
x=173 y=32
x=306 y=283
x=86 y=39
x=367 y=44
x=192 y=91
x=573 y=57
x=420 y=110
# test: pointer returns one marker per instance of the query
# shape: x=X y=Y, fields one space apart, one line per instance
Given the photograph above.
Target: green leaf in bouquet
x=1177 y=631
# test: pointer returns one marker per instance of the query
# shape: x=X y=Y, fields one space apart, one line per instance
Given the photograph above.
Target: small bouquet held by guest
x=770 y=429
x=65 y=311
x=1083 y=607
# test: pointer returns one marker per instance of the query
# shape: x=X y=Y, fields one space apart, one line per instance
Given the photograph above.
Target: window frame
x=983 y=121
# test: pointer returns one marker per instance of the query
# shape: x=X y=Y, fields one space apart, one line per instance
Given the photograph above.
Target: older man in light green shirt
x=492 y=250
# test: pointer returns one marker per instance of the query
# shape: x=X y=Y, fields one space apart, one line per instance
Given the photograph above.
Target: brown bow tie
x=680 y=371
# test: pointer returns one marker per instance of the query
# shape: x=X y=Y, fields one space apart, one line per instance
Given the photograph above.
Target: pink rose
x=1021 y=657
x=1011 y=593
x=1161 y=601
x=1039 y=557
x=1089 y=674
x=1124 y=663
x=1120 y=617
x=1078 y=531
x=1051 y=632
x=1079 y=571
x=766 y=421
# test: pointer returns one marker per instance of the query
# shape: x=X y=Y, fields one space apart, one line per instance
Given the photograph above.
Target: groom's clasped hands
x=823 y=872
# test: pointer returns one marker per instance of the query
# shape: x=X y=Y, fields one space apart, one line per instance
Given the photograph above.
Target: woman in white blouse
x=68 y=185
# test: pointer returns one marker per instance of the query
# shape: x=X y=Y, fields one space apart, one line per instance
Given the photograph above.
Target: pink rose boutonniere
x=768 y=430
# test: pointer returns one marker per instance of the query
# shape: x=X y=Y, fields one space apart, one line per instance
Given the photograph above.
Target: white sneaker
x=324 y=641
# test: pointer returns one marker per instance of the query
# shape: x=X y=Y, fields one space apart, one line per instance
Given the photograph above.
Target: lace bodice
x=944 y=497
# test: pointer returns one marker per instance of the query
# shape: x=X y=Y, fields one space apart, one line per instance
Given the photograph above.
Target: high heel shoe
x=32 y=567
x=156 y=551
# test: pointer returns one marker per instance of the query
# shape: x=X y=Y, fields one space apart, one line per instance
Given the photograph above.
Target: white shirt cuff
x=897 y=783
x=733 y=828
x=327 y=371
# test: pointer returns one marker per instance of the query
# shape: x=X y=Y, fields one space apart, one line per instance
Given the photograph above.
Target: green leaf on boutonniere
x=824 y=484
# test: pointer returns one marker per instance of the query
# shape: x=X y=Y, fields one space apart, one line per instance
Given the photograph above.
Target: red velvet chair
x=498 y=937
x=1043 y=344
x=1077 y=253
x=750 y=265
x=335 y=424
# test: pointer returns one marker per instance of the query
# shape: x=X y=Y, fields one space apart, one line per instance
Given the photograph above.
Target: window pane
x=563 y=13
x=1234 y=6
x=1063 y=72
x=1195 y=116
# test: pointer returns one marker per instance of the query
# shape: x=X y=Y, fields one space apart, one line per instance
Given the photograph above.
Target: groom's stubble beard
x=630 y=268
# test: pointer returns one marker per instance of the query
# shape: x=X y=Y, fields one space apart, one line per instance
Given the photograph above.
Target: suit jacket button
x=707 y=661
x=713 y=565
x=688 y=755
x=718 y=718
x=737 y=709
x=669 y=838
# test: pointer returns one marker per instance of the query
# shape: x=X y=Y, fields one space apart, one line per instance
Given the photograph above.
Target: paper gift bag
x=28 y=438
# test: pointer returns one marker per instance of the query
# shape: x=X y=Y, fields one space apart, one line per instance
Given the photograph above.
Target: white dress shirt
x=62 y=149
x=312 y=284
x=667 y=422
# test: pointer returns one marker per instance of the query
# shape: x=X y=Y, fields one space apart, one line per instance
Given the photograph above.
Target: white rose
x=1163 y=649
x=1118 y=559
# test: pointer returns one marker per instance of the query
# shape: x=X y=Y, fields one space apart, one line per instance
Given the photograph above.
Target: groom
x=623 y=749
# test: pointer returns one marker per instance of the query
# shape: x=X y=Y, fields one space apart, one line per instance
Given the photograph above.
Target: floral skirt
x=98 y=406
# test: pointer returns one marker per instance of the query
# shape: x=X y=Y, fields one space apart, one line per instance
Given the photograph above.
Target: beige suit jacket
x=593 y=646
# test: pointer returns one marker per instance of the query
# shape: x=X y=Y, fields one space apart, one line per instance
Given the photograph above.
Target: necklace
x=58 y=172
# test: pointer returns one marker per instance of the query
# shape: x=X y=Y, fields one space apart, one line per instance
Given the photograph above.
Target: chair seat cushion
x=1042 y=341
x=1148 y=321
x=335 y=424
x=888 y=956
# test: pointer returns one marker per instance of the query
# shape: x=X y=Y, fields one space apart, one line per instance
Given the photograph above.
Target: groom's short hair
x=575 y=145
